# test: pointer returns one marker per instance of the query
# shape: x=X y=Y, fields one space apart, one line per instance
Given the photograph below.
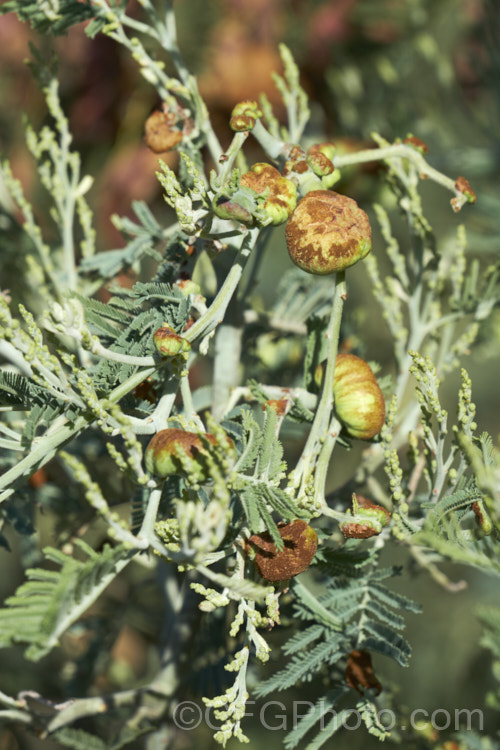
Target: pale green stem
x=226 y=366
x=162 y=411
x=9 y=352
x=167 y=32
x=253 y=268
x=187 y=400
x=324 y=460
x=322 y=417
x=231 y=154
x=115 y=31
x=43 y=452
x=6 y=700
x=16 y=715
x=215 y=313
x=147 y=530
x=229 y=336
x=400 y=150
x=322 y=614
x=132 y=382
x=66 y=205
x=274 y=147
x=168 y=38
x=126 y=359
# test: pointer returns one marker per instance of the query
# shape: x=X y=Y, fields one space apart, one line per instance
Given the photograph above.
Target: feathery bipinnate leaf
x=44 y=607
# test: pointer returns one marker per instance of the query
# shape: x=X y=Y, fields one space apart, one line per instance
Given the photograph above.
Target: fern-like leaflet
x=44 y=607
x=356 y=611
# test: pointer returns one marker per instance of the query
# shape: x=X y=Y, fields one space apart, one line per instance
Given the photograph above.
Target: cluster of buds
x=263 y=197
x=300 y=544
x=244 y=116
x=327 y=232
x=280 y=194
x=317 y=161
x=368 y=519
x=359 y=402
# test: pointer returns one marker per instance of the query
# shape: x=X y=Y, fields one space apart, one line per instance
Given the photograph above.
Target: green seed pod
x=281 y=193
x=301 y=543
x=327 y=232
x=168 y=343
x=163 y=454
x=359 y=403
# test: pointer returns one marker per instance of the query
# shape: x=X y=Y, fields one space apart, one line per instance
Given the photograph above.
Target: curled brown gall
x=359 y=672
x=160 y=133
x=300 y=545
x=327 y=232
x=319 y=162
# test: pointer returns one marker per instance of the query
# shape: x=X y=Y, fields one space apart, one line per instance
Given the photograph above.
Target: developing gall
x=281 y=193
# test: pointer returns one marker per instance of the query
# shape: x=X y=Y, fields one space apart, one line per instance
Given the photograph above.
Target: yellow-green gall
x=359 y=402
x=327 y=232
x=168 y=343
x=172 y=450
x=320 y=164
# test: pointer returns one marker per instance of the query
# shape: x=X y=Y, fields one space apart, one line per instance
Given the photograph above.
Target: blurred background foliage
x=430 y=67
